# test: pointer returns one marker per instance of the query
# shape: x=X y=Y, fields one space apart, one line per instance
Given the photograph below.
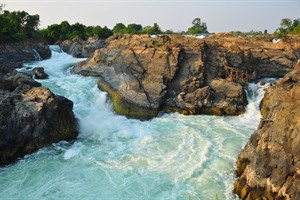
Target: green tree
x=169 y=31
x=196 y=21
x=134 y=28
x=96 y=32
x=4 y=28
x=288 y=26
x=286 y=23
x=31 y=25
x=53 y=33
x=65 y=27
x=76 y=30
x=152 y=30
x=198 y=27
x=17 y=25
x=105 y=32
x=296 y=26
x=1 y=8
x=90 y=31
x=119 y=29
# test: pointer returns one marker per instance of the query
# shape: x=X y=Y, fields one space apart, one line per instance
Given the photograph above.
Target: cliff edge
x=269 y=165
x=172 y=73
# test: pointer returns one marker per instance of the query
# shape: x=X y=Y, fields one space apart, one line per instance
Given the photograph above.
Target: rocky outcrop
x=39 y=73
x=31 y=117
x=14 y=54
x=18 y=52
x=82 y=49
x=269 y=165
x=145 y=75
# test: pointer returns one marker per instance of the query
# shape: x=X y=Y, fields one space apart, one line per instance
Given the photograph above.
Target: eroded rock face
x=269 y=165
x=82 y=49
x=144 y=75
x=23 y=51
x=31 y=117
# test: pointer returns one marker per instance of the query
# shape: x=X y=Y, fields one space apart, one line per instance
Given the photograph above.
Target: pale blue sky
x=220 y=15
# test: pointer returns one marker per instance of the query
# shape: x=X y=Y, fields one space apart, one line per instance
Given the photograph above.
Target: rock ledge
x=269 y=165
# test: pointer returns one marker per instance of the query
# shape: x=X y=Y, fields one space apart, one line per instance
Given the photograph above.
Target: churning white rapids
x=170 y=157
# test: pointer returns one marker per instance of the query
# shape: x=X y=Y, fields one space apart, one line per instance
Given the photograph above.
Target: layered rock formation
x=80 y=48
x=31 y=116
x=269 y=165
x=18 y=52
x=145 y=75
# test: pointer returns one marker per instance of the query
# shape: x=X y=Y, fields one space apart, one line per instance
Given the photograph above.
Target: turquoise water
x=170 y=157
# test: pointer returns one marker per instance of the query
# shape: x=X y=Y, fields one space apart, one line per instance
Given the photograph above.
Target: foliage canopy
x=17 y=25
x=288 y=26
x=198 y=27
x=64 y=31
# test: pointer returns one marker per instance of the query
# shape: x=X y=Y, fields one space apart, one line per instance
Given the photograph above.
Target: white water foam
x=276 y=40
x=170 y=157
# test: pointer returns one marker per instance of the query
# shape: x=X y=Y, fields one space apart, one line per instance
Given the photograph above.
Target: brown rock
x=174 y=73
x=268 y=166
x=82 y=49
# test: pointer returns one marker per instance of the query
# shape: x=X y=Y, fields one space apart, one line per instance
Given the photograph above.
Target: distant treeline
x=287 y=26
x=65 y=31
x=19 y=25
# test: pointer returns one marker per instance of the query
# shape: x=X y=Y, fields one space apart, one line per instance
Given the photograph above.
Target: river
x=170 y=157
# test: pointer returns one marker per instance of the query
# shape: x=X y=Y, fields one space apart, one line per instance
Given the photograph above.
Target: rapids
x=170 y=157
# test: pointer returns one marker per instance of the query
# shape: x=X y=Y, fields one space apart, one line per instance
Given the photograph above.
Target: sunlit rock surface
x=145 y=75
x=269 y=165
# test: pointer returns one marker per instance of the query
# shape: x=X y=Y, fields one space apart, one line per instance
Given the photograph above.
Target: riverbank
x=31 y=116
x=269 y=165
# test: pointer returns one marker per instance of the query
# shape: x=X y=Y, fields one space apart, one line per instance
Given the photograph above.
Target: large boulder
x=184 y=74
x=269 y=165
x=39 y=73
x=82 y=49
x=31 y=117
x=138 y=72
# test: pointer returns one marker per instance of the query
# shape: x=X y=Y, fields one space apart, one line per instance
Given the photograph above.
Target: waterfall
x=36 y=55
x=170 y=157
x=55 y=48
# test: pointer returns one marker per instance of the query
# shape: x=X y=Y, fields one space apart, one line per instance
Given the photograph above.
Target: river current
x=170 y=157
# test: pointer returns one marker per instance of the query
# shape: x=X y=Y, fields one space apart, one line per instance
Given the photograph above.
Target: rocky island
x=170 y=73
